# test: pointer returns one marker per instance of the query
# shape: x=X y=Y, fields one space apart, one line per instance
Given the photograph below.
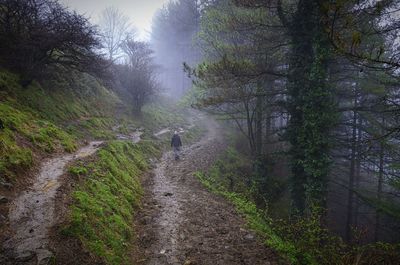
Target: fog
x=140 y=12
x=169 y=27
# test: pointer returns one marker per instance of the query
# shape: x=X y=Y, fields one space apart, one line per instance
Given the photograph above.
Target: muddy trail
x=32 y=212
x=182 y=223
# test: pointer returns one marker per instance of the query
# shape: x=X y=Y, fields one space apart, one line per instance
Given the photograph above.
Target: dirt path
x=32 y=213
x=182 y=223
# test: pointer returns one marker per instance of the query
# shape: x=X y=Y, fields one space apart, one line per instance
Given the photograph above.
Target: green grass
x=256 y=219
x=50 y=117
x=167 y=114
x=105 y=201
x=157 y=116
x=23 y=133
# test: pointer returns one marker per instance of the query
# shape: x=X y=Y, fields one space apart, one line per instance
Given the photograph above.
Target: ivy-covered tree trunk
x=310 y=108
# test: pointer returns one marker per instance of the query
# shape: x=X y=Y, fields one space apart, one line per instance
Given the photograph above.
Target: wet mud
x=183 y=223
x=32 y=213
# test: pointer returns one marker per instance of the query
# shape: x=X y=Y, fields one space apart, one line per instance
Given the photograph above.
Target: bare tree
x=37 y=34
x=114 y=27
x=136 y=79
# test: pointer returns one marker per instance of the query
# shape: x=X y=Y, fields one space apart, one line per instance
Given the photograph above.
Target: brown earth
x=183 y=223
x=32 y=213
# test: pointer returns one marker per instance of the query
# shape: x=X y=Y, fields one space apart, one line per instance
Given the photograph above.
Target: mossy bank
x=105 y=199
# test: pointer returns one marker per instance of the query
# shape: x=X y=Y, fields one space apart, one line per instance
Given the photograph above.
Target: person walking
x=176 y=144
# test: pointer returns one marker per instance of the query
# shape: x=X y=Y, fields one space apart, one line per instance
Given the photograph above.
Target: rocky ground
x=183 y=223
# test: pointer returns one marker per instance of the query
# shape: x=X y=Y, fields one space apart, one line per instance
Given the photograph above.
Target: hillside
x=187 y=132
x=54 y=122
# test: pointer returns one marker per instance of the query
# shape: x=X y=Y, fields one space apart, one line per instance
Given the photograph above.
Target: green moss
x=104 y=202
x=166 y=114
x=22 y=131
x=99 y=127
x=12 y=156
x=50 y=117
x=78 y=170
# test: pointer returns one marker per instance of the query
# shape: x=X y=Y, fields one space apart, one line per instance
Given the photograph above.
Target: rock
x=7 y=185
x=174 y=261
x=222 y=231
x=249 y=237
x=189 y=262
x=3 y=199
x=44 y=256
x=163 y=251
x=2 y=218
x=146 y=220
x=168 y=194
x=25 y=256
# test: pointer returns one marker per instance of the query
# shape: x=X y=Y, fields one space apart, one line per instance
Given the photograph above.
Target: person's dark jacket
x=176 y=141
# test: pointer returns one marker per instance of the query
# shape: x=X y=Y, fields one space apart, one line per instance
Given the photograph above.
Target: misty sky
x=140 y=11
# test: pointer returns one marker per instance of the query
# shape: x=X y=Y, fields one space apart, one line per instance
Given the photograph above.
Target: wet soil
x=183 y=223
x=32 y=212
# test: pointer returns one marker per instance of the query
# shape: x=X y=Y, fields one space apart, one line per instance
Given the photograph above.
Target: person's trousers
x=177 y=150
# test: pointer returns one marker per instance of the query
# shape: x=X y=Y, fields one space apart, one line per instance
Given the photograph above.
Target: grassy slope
x=54 y=117
x=104 y=203
x=60 y=115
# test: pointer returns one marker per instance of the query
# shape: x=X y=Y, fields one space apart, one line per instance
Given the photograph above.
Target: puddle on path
x=32 y=213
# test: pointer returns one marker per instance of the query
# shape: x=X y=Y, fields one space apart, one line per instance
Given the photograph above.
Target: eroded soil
x=182 y=223
x=32 y=213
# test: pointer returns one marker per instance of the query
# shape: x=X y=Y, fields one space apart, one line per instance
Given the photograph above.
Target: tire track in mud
x=32 y=213
x=182 y=223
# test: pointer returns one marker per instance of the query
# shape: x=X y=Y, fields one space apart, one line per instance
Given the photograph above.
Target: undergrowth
x=301 y=241
x=255 y=217
x=104 y=201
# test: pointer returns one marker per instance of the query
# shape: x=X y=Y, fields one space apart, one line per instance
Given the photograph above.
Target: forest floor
x=182 y=223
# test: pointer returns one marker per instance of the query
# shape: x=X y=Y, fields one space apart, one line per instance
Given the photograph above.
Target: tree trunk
x=380 y=183
x=358 y=172
x=350 y=198
x=259 y=122
x=310 y=108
